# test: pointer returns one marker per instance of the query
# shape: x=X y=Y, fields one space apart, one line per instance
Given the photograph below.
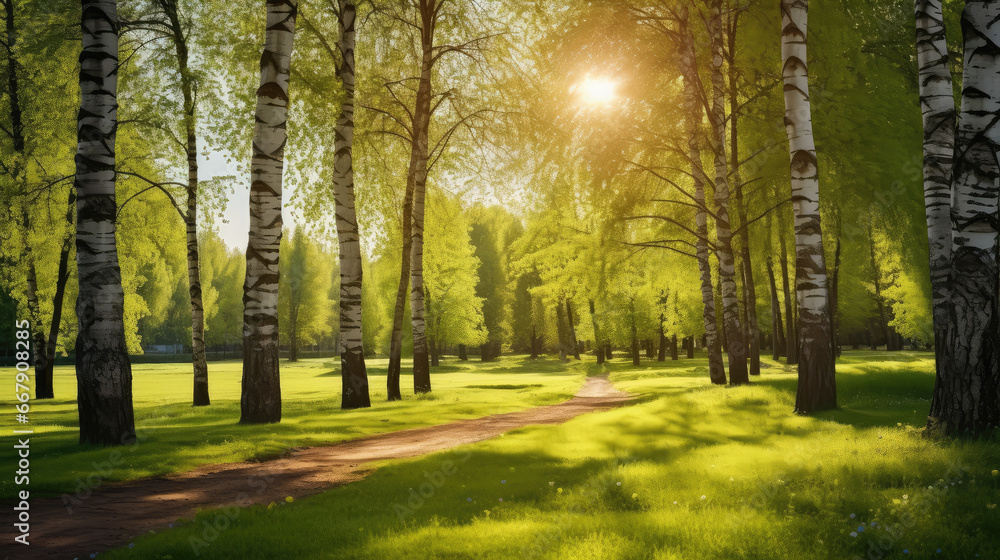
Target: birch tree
x=353 y=374
x=967 y=391
x=694 y=101
x=104 y=374
x=260 y=400
x=425 y=19
x=937 y=104
x=736 y=347
x=44 y=385
x=429 y=10
x=752 y=328
x=176 y=33
x=817 y=389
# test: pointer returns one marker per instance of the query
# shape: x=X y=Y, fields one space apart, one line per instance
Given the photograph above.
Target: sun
x=597 y=91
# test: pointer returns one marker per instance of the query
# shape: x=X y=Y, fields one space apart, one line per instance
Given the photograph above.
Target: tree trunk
x=260 y=400
x=293 y=343
x=834 y=294
x=608 y=352
x=561 y=330
x=199 y=363
x=396 y=341
x=31 y=295
x=353 y=372
x=574 y=344
x=937 y=102
x=635 y=342
x=692 y=98
x=435 y=352
x=673 y=347
x=750 y=296
x=777 y=338
x=598 y=339
x=817 y=388
x=200 y=396
x=736 y=345
x=18 y=173
x=463 y=352
x=690 y=347
x=791 y=334
x=44 y=388
x=103 y=371
x=967 y=387
x=661 y=354
x=418 y=166
x=879 y=300
x=752 y=330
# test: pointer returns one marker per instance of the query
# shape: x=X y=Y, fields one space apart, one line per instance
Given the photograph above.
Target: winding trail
x=116 y=513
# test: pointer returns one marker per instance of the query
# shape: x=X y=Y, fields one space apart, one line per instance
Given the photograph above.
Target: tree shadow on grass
x=882 y=396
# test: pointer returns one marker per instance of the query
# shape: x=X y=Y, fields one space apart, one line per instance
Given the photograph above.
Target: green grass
x=690 y=472
x=174 y=436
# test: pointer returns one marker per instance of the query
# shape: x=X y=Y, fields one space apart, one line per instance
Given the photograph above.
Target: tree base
x=392 y=379
x=966 y=399
x=817 y=386
x=421 y=372
x=43 y=383
x=200 y=397
x=716 y=369
x=260 y=402
x=104 y=389
x=354 y=381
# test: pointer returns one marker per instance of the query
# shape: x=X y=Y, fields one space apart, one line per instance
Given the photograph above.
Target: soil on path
x=114 y=514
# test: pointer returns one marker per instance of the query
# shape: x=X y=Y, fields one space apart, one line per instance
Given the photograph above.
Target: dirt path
x=115 y=514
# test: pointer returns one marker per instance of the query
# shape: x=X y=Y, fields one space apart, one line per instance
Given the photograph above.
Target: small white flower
x=703 y=497
x=853 y=534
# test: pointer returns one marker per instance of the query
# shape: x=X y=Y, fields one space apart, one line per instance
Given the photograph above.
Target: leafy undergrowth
x=174 y=436
x=691 y=472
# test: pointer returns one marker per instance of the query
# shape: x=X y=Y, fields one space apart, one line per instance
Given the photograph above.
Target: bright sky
x=598 y=91
x=235 y=226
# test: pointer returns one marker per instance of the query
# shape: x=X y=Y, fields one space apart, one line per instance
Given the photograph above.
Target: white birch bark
x=693 y=99
x=199 y=361
x=421 y=125
x=736 y=347
x=967 y=388
x=817 y=383
x=261 y=395
x=937 y=104
x=104 y=374
x=354 y=377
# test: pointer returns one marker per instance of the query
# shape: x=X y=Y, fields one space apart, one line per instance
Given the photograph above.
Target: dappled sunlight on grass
x=693 y=472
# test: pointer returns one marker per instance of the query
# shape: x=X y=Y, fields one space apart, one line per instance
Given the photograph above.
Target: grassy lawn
x=690 y=472
x=174 y=436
